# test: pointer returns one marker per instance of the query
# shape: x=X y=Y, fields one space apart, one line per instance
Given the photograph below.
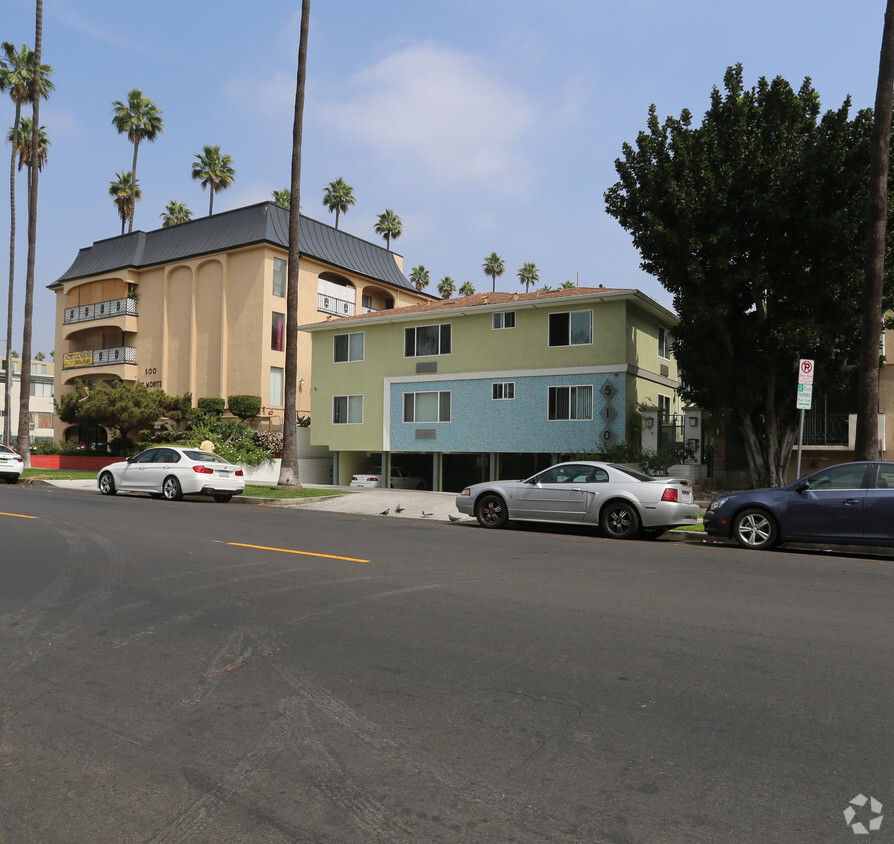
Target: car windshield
x=638 y=476
x=204 y=457
x=5 y=450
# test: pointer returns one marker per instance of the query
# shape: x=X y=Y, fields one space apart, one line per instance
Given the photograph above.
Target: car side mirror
x=803 y=486
x=129 y=460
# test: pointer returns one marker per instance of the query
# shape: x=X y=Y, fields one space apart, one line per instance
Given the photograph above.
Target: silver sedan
x=170 y=473
x=624 y=503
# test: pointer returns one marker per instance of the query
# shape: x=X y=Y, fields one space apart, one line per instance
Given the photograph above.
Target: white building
x=41 y=403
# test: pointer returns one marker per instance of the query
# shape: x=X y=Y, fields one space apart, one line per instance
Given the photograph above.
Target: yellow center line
x=292 y=551
x=18 y=516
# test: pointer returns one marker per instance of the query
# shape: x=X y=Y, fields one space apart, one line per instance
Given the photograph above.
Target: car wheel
x=107 y=484
x=755 y=529
x=222 y=498
x=12 y=479
x=491 y=512
x=170 y=489
x=619 y=520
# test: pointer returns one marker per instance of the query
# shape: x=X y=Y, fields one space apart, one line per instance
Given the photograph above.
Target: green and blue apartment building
x=494 y=385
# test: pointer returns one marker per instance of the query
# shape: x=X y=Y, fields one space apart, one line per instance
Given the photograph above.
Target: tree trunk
x=7 y=387
x=24 y=437
x=866 y=446
x=133 y=190
x=288 y=473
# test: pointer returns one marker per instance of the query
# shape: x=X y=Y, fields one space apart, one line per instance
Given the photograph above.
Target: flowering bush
x=269 y=440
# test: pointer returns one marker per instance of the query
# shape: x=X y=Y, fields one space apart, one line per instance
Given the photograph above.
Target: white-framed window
x=41 y=388
x=276 y=385
x=279 y=277
x=571 y=403
x=664 y=409
x=427 y=406
x=503 y=390
x=664 y=343
x=571 y=328
x=424 y=340
x=504 y=319
x=348 y=347
x=347 y=410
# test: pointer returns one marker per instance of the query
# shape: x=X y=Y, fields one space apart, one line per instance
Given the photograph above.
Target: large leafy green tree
x=214 y=170
x=288 y=470
x=755 y=221
x=16 y=78
x=389 y=226
x=174 y=214
x=494 y=267
x=140 y=119
x=116 y=406
x=420 y=277
x=124 y=194
x=338 y=196
x=529 y=274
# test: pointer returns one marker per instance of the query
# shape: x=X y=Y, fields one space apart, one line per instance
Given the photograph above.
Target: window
x=504 y=390
x=571 y=403
x=664 y=409
x=571 y=328
x=367 y=302
x=39 y=388
x=427 y=340
x=664 y=343
x=348 y=347
x=277 y=332
x=279 y=278
x=276 y=384
x=506 y=319
x=427 y=407
x=347 y=410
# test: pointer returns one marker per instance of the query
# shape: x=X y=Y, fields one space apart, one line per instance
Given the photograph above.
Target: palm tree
x=545 y=288
x=494 y=267
x=389 y=226
x=338 y=196
x=419 y=276
x=529 y=274
x=26 y=130
x=467 y=289
x=282 y=197
x=288 y=473
x=16 y=77
x=125 y=194
x=214 y=171
x=174 y=214
x=37 y=91
x=446 y=287
x=567 y=285
x=140 y=119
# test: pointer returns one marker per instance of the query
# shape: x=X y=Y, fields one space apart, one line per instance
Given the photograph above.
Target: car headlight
x=466 y=491
x=717 y=503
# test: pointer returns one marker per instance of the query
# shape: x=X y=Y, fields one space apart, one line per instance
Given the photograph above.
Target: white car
x=624 y=503
x=400 y=479
x=170 y=473
x=11 y=465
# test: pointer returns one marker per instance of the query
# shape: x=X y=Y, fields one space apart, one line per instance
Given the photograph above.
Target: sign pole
x=805 y=400
x=800 y=441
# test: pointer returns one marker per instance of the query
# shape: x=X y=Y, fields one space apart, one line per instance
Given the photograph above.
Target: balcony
x=101 y=310
x=100 y=357
x=331 y=305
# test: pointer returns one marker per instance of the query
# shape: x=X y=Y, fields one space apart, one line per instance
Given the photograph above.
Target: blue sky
x=487 y=125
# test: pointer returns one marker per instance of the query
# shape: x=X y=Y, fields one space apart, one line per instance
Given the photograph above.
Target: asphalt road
x=195 y=672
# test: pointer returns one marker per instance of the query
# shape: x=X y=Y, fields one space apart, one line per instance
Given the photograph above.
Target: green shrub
x=45 y=448
x=303 y=421
x=622 y=452
x=211 y=405
x=245 y=407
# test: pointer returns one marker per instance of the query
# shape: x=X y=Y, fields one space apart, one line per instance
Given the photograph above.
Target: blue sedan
x=847 y=504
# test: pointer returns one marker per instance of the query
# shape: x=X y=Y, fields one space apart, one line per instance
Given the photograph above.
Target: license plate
x=224 y=474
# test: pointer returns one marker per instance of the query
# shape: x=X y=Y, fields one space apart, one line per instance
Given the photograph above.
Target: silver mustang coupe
x=624 y=503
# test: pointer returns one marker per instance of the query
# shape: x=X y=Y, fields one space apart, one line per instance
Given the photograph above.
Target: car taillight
x=669 y=494
x=202 y=470
x=19 y=460
x=238 y=473
x=372 y=478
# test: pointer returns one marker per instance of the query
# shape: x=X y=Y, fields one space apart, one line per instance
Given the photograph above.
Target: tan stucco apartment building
x=200 y=307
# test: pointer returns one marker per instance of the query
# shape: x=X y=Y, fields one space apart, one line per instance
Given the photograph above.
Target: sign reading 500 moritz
x=74 y=359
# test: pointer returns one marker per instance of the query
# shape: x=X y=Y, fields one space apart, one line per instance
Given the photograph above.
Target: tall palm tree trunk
x=24 y=437
x=288 y=473
x=133 y=190
x=866 y=446
x=7 y=387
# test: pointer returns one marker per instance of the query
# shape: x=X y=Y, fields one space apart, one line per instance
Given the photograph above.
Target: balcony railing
x=330 y=305
x=101 y=310
x=826 y=429
x=100 y=357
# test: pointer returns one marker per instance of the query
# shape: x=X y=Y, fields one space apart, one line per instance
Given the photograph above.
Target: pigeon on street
x=454 y=518
x=385 y=512
x=398 y=509
x=426 y=515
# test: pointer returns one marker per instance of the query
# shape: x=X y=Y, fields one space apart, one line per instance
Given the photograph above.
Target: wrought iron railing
x=825 y=429
x=101 y=310
x=331 y=305
x=100 y=357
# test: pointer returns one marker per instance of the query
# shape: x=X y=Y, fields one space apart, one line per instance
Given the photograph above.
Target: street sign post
x=804 y=400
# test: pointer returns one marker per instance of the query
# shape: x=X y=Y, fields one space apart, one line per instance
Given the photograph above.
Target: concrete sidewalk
x=370 y=502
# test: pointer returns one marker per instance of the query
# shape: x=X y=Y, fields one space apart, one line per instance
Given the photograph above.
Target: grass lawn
x=58 y=475
x=272 y=492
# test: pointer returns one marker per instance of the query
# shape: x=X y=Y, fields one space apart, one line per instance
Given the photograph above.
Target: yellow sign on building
x=75 y=359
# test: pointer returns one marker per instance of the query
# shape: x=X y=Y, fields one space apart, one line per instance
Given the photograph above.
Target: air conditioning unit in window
x=31 y=425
